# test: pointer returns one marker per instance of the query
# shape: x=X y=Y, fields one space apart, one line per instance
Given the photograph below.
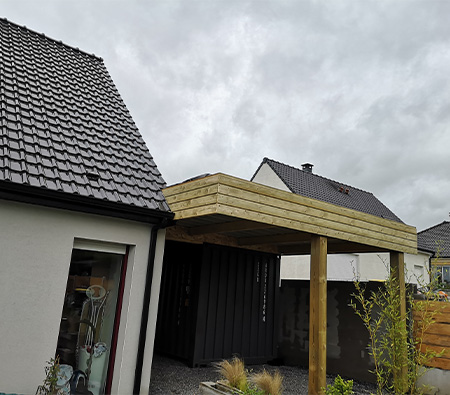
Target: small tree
x=393 y=345
x=48 y=387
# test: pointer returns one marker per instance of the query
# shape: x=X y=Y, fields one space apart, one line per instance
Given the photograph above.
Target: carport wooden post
x=318 y=316
x=397 y=263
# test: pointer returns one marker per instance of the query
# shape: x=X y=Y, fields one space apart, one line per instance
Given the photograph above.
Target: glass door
x=88 y=323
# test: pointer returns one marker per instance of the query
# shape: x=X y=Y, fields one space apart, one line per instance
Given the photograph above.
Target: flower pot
x=211 y=388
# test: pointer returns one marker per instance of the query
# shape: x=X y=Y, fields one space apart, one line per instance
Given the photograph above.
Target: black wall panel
x=232 y=307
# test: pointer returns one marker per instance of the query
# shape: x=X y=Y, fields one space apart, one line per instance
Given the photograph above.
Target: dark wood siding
x=233 y=304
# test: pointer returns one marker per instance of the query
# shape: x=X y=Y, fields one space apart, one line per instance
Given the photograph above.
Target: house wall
x=36 y=245
x=267 y=176
x=344 y=267
x=347 y=337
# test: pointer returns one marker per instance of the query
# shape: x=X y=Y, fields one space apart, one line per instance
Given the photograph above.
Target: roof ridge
x=266 y=160
x=434 y=226
x=60 y=42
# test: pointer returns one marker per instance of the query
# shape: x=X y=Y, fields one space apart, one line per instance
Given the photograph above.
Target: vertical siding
x=232 y=304
x=237 y=308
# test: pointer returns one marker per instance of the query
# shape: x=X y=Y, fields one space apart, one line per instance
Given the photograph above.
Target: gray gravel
x=174 y=377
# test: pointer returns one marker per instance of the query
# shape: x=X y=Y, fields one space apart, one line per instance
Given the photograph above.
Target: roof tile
x=436 y=239
x=62 y=118
x=313 y=186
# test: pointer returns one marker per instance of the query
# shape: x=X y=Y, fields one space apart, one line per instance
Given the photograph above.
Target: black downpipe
x=146 y=306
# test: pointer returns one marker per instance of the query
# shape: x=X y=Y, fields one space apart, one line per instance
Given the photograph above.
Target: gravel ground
x=174 y=377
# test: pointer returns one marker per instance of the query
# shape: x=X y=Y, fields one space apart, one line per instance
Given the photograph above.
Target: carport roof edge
x=223 y=195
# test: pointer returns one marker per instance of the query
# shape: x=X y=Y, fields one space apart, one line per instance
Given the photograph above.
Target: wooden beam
x=227 y=227
x=318 y=316
x=180 y=233
x=397 y=263
x=245 y=200
x=281 y=238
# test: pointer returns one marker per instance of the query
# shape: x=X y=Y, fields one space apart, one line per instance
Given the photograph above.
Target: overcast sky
x=361 y=89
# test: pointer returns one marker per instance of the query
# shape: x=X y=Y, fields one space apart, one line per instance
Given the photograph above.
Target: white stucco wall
x=344 y=267
x=267 y=176
x=35 y=251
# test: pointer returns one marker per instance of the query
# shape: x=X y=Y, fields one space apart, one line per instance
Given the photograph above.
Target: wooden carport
x=225 y=210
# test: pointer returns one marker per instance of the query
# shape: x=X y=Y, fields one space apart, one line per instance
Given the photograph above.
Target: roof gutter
x=66 y=201
x=146 y=306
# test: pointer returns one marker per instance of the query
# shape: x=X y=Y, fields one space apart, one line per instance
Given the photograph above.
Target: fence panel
x=437 y=335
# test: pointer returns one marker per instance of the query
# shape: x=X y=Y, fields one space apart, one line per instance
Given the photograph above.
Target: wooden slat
x=288 y=196
x=313 y=229
x=255 y=202
x=440 y=363
x=320 y=213
x=175 y=190
x=441 y=307
x=202 y=201
x=436 y=340
x=439 y=329
x=436 y=316
x=437 y=349
x=318 y=223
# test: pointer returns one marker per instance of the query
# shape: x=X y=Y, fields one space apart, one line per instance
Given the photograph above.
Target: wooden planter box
x=211 y=388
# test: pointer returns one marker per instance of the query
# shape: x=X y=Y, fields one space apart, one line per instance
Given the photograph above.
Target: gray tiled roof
x=436 y=239
x=64 y=126
x=311 y=185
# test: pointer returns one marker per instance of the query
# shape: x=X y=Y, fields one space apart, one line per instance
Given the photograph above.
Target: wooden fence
x=437 y=335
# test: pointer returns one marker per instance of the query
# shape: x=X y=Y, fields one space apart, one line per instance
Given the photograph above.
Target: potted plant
x=236 y=380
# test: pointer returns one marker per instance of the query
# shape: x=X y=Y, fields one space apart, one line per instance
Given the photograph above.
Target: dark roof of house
x=65 y=129
x=436 y=239
x=308 y=184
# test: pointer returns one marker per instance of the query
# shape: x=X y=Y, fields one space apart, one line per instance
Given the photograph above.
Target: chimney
x=307 y=167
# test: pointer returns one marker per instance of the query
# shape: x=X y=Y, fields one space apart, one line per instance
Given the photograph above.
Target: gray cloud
x=360 y=89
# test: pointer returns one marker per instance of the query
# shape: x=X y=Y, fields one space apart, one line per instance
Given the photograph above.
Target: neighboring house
x=82 y=221
x=341 y=267
x=437 y=240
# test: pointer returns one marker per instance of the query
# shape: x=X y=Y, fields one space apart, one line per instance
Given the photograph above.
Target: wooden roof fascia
x=308 y=202
x=308 y=220
x=315 y=229
x=314 y=212
x=246 y=200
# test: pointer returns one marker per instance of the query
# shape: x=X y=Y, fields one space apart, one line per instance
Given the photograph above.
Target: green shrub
x=340 y=387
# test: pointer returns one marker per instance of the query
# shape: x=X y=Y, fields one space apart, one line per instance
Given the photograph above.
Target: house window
x=89 y=318
x=443 y=274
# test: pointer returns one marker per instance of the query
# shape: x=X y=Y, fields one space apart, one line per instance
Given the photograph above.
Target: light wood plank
x=313 y=229
x=320 y=213
x=257 y=208
x=174 y=190
x=439 y=329
x=250 y=201
x=278 y=193
x=440 y=363
x=436 y=340
x=193 y=203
